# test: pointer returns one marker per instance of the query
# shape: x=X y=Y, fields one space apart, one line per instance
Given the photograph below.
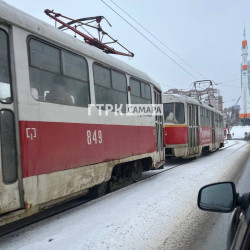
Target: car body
x=222 y=197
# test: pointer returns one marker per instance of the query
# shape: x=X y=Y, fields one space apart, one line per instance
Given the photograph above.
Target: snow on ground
x=229 y=143
x=238 y=132
x=157 y=213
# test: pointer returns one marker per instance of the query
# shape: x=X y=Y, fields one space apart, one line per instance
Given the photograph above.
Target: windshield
x=174 y=113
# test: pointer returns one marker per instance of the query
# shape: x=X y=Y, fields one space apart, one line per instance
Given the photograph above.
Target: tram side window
x=207 y=117
x=140 y=92
x=145 y=91
x=174 y=113
x=110 y=87
x=44 y=56
x=221 y=125
x=102 y=76
x=75 y=66
x=58 y=76
x=135 y=91
x=5 y=79
x=216 y=120
x=119 y=81
x=202 y=117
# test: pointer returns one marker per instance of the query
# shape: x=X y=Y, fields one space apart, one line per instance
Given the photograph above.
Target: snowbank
x=238 y=132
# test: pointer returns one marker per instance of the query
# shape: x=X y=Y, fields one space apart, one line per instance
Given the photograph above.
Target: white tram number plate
x=94 y=137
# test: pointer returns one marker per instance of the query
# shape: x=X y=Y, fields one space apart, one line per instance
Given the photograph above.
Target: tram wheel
x=98 y=190
x=136 y=171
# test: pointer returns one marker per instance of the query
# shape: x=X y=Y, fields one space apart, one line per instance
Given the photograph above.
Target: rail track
x=82 y=200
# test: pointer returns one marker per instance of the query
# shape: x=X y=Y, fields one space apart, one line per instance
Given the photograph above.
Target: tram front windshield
x=174 y=113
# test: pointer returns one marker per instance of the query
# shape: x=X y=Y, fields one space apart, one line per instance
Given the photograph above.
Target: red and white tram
x=51 y=148
x=190 y=127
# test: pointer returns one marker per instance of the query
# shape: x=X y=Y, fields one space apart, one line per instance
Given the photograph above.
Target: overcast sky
x=206 y=34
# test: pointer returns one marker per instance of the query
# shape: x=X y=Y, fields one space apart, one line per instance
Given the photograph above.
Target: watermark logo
x=144 y=109
x=126 y=110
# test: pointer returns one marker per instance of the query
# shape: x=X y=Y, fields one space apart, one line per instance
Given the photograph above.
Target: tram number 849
x=94 y=137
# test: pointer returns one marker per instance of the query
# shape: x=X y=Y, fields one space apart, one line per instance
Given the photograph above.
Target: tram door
x=193 y=130
x=9 y=186
x=213 y=129
x=159 y=127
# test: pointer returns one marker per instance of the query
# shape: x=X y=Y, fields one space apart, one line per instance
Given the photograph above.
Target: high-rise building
x=245 y=83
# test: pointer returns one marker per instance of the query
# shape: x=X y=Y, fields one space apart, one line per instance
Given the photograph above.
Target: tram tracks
x=175 y=166
x=53 y=211
x=235 y=142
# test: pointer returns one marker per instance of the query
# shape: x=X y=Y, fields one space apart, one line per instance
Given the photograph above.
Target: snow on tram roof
x=186 y=99
x=44 y=30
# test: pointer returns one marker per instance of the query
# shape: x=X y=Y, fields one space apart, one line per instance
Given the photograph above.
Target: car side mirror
x=218 y=197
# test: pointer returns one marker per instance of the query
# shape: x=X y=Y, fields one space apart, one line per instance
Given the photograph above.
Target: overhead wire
x=150 y=41
x=230 y=81
x=156 y=38
x=230 y=100
x=162 y=43
x=228 y=85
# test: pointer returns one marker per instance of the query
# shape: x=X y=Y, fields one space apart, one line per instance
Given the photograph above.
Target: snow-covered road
x=157 y=213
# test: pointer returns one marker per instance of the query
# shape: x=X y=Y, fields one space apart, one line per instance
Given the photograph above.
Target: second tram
x=190 y=127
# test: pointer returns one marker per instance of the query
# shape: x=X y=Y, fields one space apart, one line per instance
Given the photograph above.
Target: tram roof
x=16 y=17
x=186 y=99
